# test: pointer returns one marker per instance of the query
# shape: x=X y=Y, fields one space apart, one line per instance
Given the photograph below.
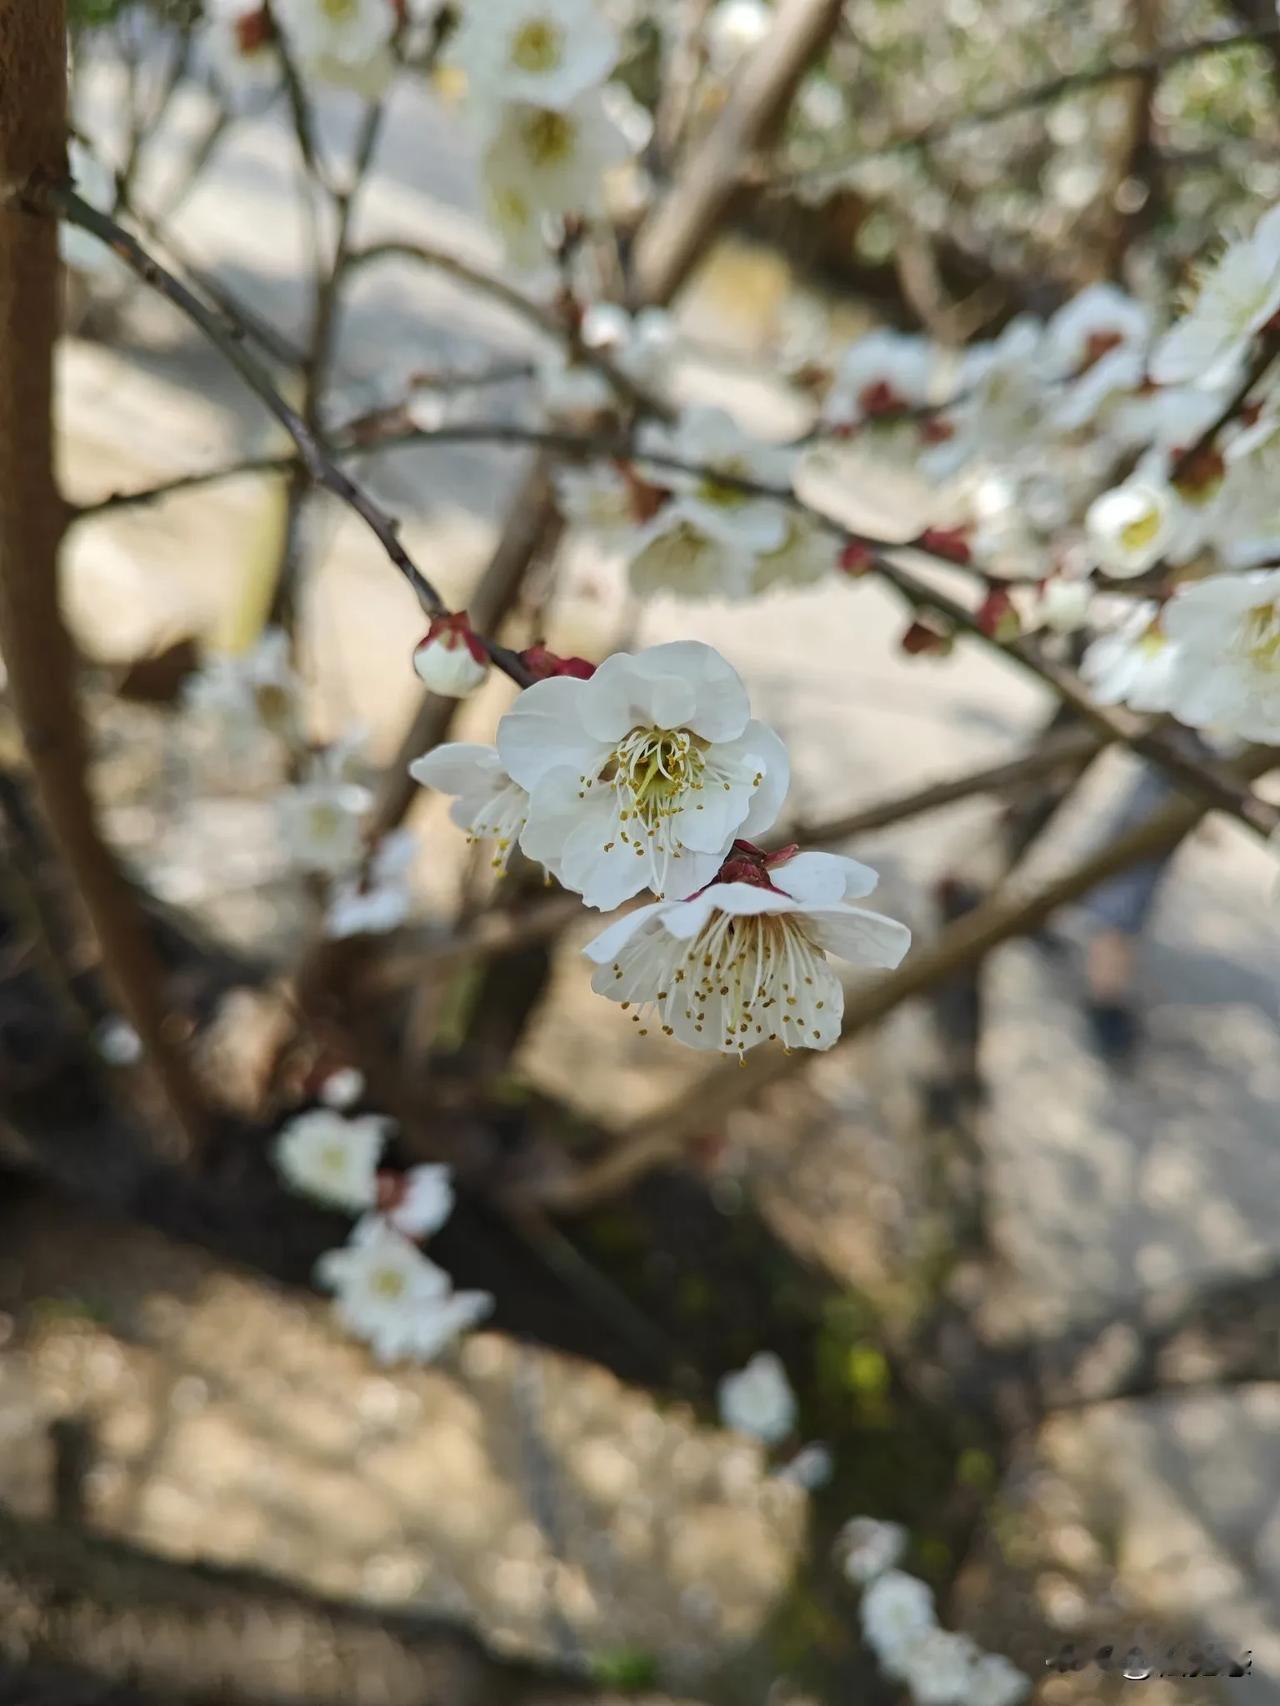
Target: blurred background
x=1027 y=1294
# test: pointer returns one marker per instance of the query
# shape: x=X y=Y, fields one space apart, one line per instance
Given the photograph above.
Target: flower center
x=657 y=768
x=273 y=704
x=388 y=1283
x=333 y=1158
x=723 y=494
x=536 y=46
x=549 y=137
x=1136 y=535
x=339 y=11
x=325 y=821
x=1262 y=637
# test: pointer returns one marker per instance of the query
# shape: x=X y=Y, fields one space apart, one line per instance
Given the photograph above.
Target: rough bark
x=38 y=650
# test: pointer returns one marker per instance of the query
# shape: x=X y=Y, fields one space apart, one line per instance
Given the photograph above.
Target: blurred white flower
x=745 y=960
x=346 y=42
x=897 y=1612
x=249 y=692
x=811 y=1467
x=547 y=162
x=642 y=775
x=117 y=1043
x=240 y=39
x=321 y=823
x=1239 y=294
x=450 y=659
x=325 y=1155
x=544 y=52
x=1096 y=322
x=1225 y=669
x=867 y=1548
x=487 y=803
x=390 y=1295
x=1061 y=604
x=937 y=1667
x=1131 y=665
x=711 y=439
x=643 y=345
x=419 y=1201
x=685 y=551
x=758 y=1399
x=597 y=496
x=881 y=373
x=996 y=1681
x=378 y=899
x=734 y=28
x=343 y=1088
x=1133 y=526
x=807 y=554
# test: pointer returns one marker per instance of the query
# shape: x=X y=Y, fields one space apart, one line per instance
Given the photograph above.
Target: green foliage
x=625 y=1668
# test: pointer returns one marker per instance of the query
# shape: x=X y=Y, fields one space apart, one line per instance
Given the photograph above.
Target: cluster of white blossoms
x=551 y=126
x=650 y=773
x=386 y=1291
x=255 y=697
x=899 y=1624
x=758 y=1399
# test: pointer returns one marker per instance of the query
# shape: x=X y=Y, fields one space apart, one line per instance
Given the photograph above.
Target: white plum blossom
x=346 y=42
x=1061 y=604
x=391 y=1296
x=758 y=1399
x=937 y=1667
x=450 y=660
x=1132 y=664
x=808 y=553
x=643 y=345
x=867 y=1548
x=881 y=373
x=487 y=803
x=734 y=28
x=1225 y=672
x=333 y=1158
x=1133 y=526
x=711 y=439
x=1001 y=402
x=546 y=162
x=1238 y=295
x=745 y=960
x=897 y=1612
x=543 y=52
x=378 y=898
x=598 y=496
x=419 y=1201
x=1096 y=322
x=1100 y=393
x=996 y=1681
x=241 y=43
x=687 y=552
x=643 y=775
x=321 y=824
x=249 y=692
x=342 y=1088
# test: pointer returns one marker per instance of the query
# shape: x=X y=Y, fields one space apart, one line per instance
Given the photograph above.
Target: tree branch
x=37 y=647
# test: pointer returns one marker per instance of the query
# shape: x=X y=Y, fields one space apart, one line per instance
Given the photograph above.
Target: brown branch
x=37 y=647
x=1012 y=913
x=673 y=240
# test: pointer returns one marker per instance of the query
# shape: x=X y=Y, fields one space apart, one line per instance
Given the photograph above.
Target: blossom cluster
x=322 y=813
x=651 y=773
x=1014 y=442
x=899 y=1623
x=387 y=1292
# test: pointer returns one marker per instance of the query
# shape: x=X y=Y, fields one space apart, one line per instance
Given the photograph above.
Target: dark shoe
x=1115 y=1031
